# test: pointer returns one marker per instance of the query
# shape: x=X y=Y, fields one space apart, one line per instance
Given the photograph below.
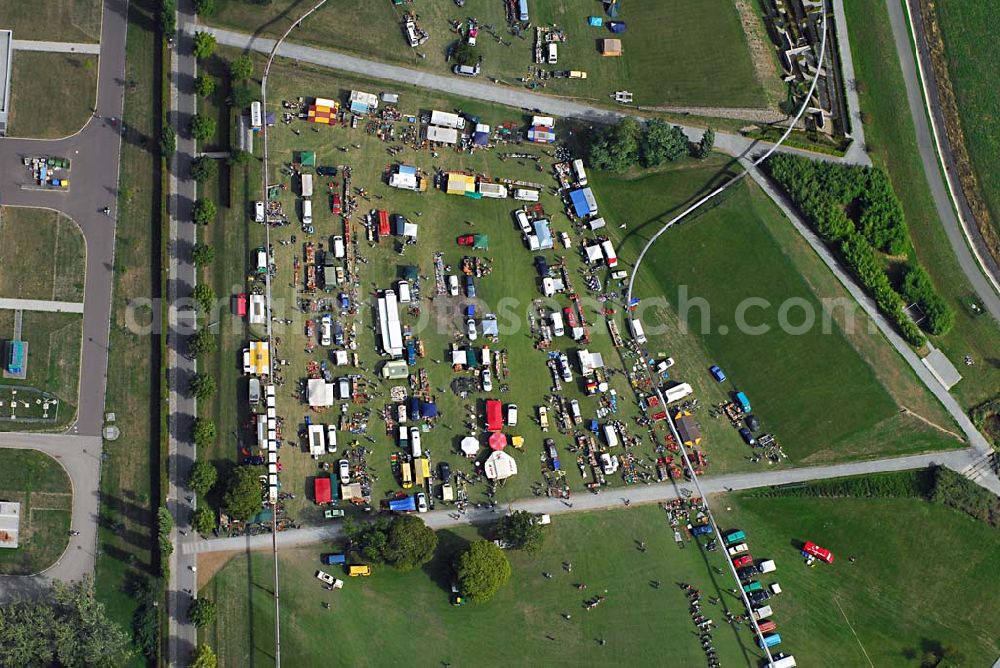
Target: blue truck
x=333 y=559
x=741 y=399
x=770 y=640
x=406 y=504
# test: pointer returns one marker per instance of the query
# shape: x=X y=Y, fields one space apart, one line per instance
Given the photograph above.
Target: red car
x=745 y=560
x=466 y=240
x=335 y=204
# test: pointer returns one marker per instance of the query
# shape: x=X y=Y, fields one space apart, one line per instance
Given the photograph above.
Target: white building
x=10 y=524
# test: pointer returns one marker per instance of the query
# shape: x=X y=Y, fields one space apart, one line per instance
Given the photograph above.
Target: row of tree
x=629 y=143
x=856 y=209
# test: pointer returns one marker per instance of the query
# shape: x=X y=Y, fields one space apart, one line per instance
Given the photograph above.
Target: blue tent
x=583 y=201
x=617 y=27
x=428 y=409
x=595 y=21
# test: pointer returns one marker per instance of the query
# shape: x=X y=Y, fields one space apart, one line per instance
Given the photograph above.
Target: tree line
x=856 y=210
x=629 y=143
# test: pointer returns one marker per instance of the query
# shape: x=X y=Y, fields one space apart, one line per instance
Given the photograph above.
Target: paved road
x=55 y=47
x=183 y=233
x=41 y=305
x=958 y=234
x=81 y=457
x=958 y=460
x=94 y=151
x=857 y=151
x=478 y=90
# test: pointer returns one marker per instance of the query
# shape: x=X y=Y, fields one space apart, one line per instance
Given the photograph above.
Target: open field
x=892 y=144
x=806 y=382
x=53 y=20
x=921 y=578
x=40 y=484
x=967 y=30
x=781 y=379
x=44 y=255
x=51 y=94
x=675 y=52
x=642 y=625
x=53 y=363
x=130 y=471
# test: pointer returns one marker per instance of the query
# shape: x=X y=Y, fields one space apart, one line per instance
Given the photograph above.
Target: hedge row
x=856 y=209
x=895 y=485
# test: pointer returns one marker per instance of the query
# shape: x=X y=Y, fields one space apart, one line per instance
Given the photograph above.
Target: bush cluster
x=855 y=209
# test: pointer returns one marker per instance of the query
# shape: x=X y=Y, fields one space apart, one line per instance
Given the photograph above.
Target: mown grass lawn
x=53 y=363
x=923 y=578
x=737 y=277
x=675 y=52
x=892 y=144
x=44 y=253
x=51 y=94
x=55 y=20
x=642 y=625
x=42 y=487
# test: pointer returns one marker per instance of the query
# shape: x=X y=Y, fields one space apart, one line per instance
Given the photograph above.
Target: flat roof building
x=10 y=524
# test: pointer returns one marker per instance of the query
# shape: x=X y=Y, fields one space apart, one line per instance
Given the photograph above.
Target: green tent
x=481 y=241
x=471 y=358
x=307 y=158
x=409 y=272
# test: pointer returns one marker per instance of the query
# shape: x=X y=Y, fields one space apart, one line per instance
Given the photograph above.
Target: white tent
x=320 y=393
x=458 y=357
x=470 y=446
x=596 y=223
x=500 y=466
x=594 y=253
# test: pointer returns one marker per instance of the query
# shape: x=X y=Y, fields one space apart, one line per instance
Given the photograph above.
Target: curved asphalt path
x=94 y=151
x=960 y=233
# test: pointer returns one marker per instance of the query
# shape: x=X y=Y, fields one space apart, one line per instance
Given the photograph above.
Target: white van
x=557 y=323
x=525 y=195
x=553 y=53
x=338 y=247
x=307 y=212
x=453 y=285
x=306 y=182
x=522 y=221
x=415 y=442
x=403 y=289
x=640 y=336
x=258 y=212
x=511 y=415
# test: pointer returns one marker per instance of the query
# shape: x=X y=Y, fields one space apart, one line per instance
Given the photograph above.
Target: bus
x=821 y=553
x=734 y=537
x=405 y=472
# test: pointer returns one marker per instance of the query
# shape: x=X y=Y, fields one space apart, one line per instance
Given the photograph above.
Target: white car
x=344 y=467
x=511 y=415
x=487 y=381
x=326 y=330
x=415 y=442
x=331 y=438
x=453 y=285
x=325 y=577
x=564 y=238
x=470 y=329
x=421 y=502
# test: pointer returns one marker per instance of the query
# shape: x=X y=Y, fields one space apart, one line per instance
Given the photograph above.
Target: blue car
x=470 y=287
x=717 y=373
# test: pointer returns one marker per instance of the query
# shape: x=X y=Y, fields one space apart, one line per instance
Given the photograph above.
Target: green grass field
x=53 y=364
x=892 y=144
x=870 y=387
x=828 y=391
x=40 y=484
x=967 y=29
x=130 y=471
x=921 y=579
x=675 y=52
x=55 y=20
x=44 y=253
x=51 y=94
x=642 y=625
